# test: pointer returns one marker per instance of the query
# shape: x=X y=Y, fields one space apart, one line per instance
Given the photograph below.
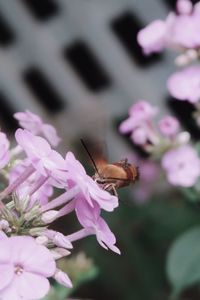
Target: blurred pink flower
x=24 y=267
x=169 y=126
x=45 y=160
x=184 y=6
x=88 y=187
x=4 y=150
x=139 y=136
x=139 y=123
x=89 y=217
x=139 y=113
x=177 y=31
x=184 y=31
x=182 y=166
x=185 y=84
x=34 y=124
x=152 y=37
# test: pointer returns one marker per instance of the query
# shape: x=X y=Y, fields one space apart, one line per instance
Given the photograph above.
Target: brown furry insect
x=112 y=176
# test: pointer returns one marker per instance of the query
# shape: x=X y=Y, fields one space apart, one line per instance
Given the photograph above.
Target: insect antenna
x=90 y=156
x=116 y=178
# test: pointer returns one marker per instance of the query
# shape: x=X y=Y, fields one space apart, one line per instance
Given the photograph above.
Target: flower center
x=18 y=270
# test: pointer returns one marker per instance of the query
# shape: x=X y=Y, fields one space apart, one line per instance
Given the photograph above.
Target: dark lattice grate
x=42 y=10
x=43 y=90
x=126 y=27
x=86 y=64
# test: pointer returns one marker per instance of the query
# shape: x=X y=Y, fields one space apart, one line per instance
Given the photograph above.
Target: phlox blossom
x=182 y=166
x=24 y=268
x=185 y=84
x=89 y=217
x=152 y=37
x=169 y=126
x=139 y=123
x=139 y=113
x=177 y=31
x=45 y=160
x=34 y=124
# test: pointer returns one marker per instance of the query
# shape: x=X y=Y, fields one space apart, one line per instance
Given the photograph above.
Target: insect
x=112 y=176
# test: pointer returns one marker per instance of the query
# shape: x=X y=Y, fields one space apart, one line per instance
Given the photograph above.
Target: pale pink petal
x=152 y=37
x=128 y=125
x=32 y=145
x=86 y=214
x=169 y=126
x=6 y=275
x=5 y=251
x=105 y=236
x=32 y=286
x=35 y=258
x=184 y=6
x=185 y=84
x=11 y=292
x=29 y=121
x=50 y=134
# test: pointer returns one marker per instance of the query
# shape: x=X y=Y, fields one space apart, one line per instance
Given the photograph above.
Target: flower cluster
x=164 y=141
x=29 y=247
x=180 y=31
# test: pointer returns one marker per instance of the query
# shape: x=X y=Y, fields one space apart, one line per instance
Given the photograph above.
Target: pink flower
x=139 y=136
x=34 y=124
x=184 y=31
x=24 y=268
x=177 y=31
x=4 y=150
x=169 y=126
x=185 y=84
x=182 y=166
x=152 y=37
x=139 y=113
x=45 y=160
x=89 y=217
x=88 y=187
x=184 y=7
x=29 y=121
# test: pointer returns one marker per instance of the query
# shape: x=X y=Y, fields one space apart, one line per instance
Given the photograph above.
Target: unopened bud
x=49 y=216
x=42 y=240
x=61 y=241
x=58 y=253
x=62 y=278
x=183 y=138
x=37 y=231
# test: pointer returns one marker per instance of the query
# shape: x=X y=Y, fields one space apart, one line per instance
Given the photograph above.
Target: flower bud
x=59 y=253
x=62 y=278
x=61 y=241
x=49 y=216
x=42 y=240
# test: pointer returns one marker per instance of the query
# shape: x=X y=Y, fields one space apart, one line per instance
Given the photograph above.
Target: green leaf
x=183 y=263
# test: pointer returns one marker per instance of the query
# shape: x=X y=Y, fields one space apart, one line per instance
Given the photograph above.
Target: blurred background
x=77 y=64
